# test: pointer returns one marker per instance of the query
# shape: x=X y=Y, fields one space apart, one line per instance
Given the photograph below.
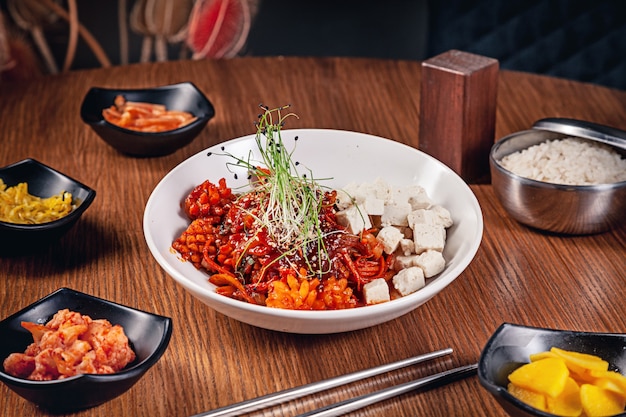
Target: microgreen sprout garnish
x=294 y=201
x=291 y=202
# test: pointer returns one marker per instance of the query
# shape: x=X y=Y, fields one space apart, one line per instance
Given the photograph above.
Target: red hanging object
x=218 y=28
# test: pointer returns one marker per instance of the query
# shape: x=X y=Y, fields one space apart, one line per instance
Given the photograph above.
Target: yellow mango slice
x=568 y=403
x=578 y=362
x=598 y=402
x=532 y=398
x=546 y=376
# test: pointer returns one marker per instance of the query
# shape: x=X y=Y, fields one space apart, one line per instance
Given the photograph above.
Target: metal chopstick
x=308 y=389
x=356 y=403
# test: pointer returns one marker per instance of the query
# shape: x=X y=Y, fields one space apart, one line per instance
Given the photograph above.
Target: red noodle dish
x=286 y=243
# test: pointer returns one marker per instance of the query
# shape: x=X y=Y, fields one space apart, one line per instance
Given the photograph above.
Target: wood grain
x=518 y=275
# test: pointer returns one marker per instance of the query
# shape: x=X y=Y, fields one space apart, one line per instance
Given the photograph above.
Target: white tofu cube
x=344 y=199
x=443 y=215
x=421 y=216
x=409 y=280
x=377 y=190
x=431 y=262
x=407 y=247
x=436 y=215
x=428 y=237
x=374 y=206
x=376 y=291
x=382 y=190
x=420 y=200
x=354 y=220
x=404 y=261
x=390 y=237
x=395 y=214
x=404 y=194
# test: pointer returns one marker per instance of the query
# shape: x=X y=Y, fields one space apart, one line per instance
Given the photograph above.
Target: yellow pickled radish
x=534 y=357
x=568 y=403
x=546 y=376
x=579 y=362
x=590 y=389
x=609 y=385
x=532 y=398
x=613 y=381
x=582 y=376
x=598 y=402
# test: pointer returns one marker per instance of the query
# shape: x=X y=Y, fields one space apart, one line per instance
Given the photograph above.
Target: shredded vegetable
x=18 y=206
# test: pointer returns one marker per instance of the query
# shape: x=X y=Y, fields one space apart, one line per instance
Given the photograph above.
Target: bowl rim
x=124 y=374
x=544 y=184
x=71 y=216
x=100 y=121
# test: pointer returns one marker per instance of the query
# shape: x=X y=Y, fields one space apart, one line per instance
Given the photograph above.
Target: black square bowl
x=44 y=182
x=511 y=345
x=183 y=97
x=148 y=334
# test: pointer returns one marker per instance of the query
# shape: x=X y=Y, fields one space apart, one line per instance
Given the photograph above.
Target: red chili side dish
x=226 y=239
x=71 y=344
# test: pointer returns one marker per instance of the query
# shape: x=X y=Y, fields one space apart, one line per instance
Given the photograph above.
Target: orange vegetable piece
x=598 y=402
x=546 y=376
x=568 y=402
x=532 y=398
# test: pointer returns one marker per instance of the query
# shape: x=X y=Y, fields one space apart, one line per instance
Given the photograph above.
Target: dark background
x=583 y=40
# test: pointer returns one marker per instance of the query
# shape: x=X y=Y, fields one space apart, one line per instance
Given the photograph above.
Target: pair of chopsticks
x=353 y=403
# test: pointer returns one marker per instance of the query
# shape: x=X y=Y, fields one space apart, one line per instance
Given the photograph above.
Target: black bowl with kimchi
x=149 y=335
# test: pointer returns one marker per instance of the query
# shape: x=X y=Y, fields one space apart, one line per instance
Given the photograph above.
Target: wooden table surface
x=518 y=275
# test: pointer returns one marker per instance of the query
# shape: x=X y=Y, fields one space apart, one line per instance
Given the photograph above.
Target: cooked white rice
x=570 y=161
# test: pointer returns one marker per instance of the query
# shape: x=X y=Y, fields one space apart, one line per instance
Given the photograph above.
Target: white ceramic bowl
x=343 y=157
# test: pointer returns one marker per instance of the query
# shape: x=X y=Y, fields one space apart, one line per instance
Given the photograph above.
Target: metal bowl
x=558 y=208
